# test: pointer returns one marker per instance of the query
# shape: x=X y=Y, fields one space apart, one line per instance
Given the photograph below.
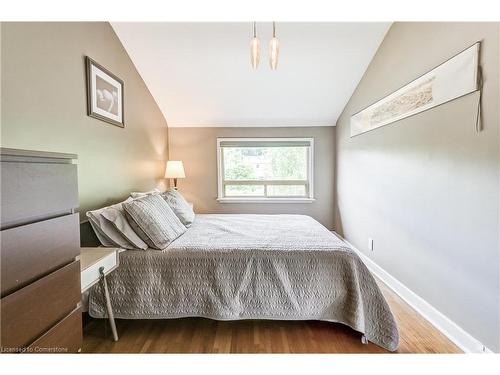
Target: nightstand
x=95 y=264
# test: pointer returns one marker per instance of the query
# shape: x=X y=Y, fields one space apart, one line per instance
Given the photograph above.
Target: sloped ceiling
x=200 y=73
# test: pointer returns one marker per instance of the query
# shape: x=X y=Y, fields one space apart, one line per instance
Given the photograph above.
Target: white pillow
x=116 y=216
x=94 y=223
x=106 y=231
x=138 y=194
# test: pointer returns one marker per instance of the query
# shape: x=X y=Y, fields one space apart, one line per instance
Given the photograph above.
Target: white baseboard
x=450 y=329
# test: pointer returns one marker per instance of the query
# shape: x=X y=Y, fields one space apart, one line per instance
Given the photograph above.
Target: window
x=265 y=169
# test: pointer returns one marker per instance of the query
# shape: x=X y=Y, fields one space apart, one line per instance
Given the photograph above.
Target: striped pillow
x=154 y=221
x=180 y=206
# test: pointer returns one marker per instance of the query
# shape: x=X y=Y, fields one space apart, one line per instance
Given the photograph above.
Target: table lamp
x=174 y=170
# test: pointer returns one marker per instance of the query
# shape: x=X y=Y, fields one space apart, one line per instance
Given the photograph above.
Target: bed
x=230 y=267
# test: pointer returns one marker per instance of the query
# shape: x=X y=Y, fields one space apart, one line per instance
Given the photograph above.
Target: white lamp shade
x=274 y=50
x=174 y=169
x=255 y=52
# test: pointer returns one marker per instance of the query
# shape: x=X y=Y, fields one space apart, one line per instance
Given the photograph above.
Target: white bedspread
x=230 y=267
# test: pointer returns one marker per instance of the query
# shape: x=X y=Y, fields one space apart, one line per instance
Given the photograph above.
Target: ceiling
x=200 y=73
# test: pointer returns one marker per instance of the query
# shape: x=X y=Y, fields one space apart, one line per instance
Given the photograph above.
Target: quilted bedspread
x=229 y=267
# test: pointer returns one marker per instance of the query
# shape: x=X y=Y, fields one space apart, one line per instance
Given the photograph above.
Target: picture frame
x=105 y=94
x=456 y=77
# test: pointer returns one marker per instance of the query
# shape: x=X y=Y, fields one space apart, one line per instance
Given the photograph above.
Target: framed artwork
x=456 y=77
x=104 y=94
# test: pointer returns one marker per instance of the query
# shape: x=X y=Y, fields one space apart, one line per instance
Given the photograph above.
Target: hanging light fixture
x=274 y=49
x=254 y=49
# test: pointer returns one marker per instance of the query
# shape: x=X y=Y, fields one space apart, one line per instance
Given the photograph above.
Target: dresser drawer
x=32 y=251
x=36 y=191
x=64 y=337
x=34 y=309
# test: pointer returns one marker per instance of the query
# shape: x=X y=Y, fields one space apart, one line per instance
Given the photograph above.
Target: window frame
x=309 y=198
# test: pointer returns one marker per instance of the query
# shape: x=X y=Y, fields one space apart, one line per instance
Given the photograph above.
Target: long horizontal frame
x=475 y=48
x=256 y=199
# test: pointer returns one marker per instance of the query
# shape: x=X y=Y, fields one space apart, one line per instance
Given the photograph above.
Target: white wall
x=426 y=188
x=200 y=72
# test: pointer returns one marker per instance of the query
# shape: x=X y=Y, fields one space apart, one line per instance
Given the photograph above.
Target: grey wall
x=44 y=107
x=197 y=148
x=426 y=188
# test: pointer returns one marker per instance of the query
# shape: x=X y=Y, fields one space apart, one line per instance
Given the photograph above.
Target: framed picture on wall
x=104 y=94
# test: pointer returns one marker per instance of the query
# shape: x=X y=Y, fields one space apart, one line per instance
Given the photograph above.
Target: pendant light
x=274 y=49
x=254 y=49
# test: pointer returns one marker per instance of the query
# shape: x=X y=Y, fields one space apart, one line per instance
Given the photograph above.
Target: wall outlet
x=370 y=244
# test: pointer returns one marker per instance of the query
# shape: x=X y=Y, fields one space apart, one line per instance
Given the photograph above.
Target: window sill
x=265 y=200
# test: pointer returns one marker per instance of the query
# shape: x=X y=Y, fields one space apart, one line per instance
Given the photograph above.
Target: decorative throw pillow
x=138 y=194
x=116 y=216
x=153 y=220
x=105 y=231
x=180 y=206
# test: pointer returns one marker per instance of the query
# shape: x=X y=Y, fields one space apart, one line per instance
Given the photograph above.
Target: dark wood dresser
x=39 y=239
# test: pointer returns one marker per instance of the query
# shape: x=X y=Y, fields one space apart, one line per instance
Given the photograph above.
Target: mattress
x=229 y=267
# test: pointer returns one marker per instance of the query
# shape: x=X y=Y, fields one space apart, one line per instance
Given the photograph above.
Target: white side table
x=95 y=264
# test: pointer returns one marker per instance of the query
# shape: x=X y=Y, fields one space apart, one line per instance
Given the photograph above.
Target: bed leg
x=364 y=340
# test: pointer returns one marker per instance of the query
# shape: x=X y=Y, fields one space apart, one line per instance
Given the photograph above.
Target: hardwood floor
x=199 y=335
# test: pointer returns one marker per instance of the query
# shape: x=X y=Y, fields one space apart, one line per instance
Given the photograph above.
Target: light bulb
x=274 y=50
x=255 y=52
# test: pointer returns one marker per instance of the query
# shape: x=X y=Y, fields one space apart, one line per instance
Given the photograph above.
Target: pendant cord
x=479 y=101
x=254 y=30
x=274 y=29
